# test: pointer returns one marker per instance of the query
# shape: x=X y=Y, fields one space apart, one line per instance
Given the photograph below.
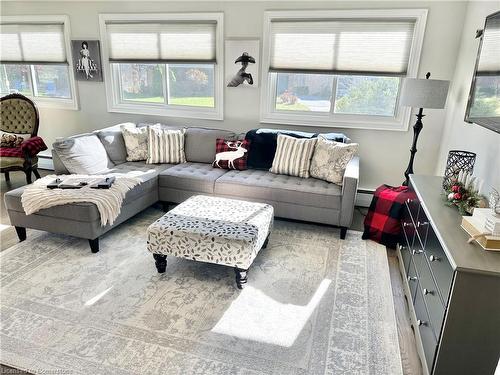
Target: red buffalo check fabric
x=382 y=223
x=11 y=152
x=33 y=146
x=231 y=154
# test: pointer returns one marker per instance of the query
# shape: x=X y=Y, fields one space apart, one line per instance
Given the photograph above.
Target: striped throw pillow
x=293 y=156
x=165 y=146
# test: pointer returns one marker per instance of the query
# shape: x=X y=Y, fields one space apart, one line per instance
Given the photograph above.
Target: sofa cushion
x=200 y=143
x=198 y=177
x=112 y=140
x=136 y=141
x=231 y=154
x=165 y=146
x=267 y=186
x=293 y=156
x=330 y=160
x=264 y=141
x=83 y=154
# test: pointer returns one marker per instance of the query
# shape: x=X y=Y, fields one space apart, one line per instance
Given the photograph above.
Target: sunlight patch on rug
x=257 y=317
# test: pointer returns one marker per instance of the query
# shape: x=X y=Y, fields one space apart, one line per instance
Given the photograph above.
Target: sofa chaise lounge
x=296 y=198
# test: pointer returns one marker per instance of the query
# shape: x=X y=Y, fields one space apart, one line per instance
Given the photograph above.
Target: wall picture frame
x=87 y=60
x=242 y=60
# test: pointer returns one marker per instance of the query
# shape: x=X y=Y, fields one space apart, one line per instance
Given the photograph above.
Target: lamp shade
x=424 y=93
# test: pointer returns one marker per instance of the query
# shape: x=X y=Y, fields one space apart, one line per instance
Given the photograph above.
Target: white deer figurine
x=230 y=156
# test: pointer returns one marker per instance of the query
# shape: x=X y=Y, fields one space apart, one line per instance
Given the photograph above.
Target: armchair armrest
x=32 y=146
x=349 y=191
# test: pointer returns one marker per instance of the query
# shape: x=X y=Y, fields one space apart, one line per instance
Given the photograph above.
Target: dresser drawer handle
x=406 y=224
x=421 y=322
x=427 y=291
x=412 y=278
x=416 y=252
x=422 y=223
x=433 y=258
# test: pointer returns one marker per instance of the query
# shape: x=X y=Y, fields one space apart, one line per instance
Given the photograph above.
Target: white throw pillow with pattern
x=330 y=159
x=293 y=156
x=136 y=141
x=165 y=146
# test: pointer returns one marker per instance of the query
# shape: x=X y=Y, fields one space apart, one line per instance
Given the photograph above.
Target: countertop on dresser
x=462 y=256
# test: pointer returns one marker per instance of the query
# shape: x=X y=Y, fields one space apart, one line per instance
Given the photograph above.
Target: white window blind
x=489 y=60
x=162 y=42
x=342 y=46
x=32 y=43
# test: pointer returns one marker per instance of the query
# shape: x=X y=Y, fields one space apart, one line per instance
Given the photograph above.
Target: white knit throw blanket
x=108 y=201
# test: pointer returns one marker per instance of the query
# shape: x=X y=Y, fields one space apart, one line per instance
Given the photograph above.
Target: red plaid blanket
x=30 y=146
x=11 y=152
x=382 y=223
x=33 y=146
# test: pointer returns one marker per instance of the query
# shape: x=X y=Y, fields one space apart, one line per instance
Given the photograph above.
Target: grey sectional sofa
x=292 y=197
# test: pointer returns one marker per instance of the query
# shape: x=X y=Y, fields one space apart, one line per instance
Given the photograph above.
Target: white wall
x=384 y=154
x=459 y=135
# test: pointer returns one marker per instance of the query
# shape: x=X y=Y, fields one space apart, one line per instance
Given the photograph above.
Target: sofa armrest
x=349 y=191
x=59 y=167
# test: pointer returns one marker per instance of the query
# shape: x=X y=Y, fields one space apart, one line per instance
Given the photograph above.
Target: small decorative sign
x=87 y=60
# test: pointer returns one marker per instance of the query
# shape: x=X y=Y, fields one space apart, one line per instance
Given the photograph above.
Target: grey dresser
x=452 y=288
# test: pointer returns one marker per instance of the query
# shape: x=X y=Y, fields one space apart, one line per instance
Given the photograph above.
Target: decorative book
x=483 y=229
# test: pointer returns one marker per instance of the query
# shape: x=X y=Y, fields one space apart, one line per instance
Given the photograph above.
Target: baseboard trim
x=364 y=197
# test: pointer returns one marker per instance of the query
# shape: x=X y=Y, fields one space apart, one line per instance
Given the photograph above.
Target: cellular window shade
x=350 y=46
x=489 y=60
x=165 y=42
x=32 y=43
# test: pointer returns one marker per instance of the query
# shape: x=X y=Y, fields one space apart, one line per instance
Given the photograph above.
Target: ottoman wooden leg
x=241 y=277
x=264 y=246
x=160 y=262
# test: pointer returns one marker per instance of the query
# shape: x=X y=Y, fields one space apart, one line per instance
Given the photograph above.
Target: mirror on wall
x=483 y=106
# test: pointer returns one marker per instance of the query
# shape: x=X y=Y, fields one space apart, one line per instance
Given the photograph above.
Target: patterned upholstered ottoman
x=214 y=230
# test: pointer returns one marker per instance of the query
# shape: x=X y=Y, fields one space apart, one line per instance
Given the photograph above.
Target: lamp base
x=417 y=128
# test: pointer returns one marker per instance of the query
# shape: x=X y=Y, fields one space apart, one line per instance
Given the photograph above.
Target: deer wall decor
x=230 y=156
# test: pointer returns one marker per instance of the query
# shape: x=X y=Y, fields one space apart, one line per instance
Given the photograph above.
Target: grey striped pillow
x=165 y=146
x=293 y=156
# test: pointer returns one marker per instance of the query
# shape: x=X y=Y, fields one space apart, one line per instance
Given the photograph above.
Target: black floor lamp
x=421 y=93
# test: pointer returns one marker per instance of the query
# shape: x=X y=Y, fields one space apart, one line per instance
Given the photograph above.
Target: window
x=165 y=64
x=339 y=68
x=35 y=61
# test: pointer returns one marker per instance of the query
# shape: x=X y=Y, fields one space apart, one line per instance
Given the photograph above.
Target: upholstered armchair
x=18 y=133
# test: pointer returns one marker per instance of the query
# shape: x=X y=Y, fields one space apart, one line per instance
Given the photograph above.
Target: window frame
x=48 y=102
x=112 y=81
x=400 y=122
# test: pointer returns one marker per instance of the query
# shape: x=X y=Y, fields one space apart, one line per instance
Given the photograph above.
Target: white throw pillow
x=136 y=141
x=330 y=159
x=165 y=145
x=83 y=154
x=293 y=156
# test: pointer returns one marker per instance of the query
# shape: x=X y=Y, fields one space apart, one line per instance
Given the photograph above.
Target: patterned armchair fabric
x=19 y=116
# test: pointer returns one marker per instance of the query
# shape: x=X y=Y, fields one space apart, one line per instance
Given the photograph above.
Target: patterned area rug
x=314 y=305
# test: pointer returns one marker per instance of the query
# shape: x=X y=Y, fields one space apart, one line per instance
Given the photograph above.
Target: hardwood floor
x=409 y=357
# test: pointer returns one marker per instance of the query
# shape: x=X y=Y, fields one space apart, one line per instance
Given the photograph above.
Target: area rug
x=314 y=304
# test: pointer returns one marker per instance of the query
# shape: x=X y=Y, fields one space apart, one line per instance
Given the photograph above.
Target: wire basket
x=458 y=161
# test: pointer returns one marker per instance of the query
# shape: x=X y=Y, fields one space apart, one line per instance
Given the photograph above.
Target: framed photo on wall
x=242 y=62
x=87 y=60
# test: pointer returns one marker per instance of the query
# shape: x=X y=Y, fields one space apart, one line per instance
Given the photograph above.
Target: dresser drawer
x=412 y=279
x=408 y=227
x=439 y=265
x=413 y=204
x=430 y=293
x=422 y=226
x=429 y=341
x=406 y=256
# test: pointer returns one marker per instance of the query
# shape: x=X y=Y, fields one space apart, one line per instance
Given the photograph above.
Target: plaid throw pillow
x=165 y=146
x=382 y=223
x=231 y=154
x=293 y=156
